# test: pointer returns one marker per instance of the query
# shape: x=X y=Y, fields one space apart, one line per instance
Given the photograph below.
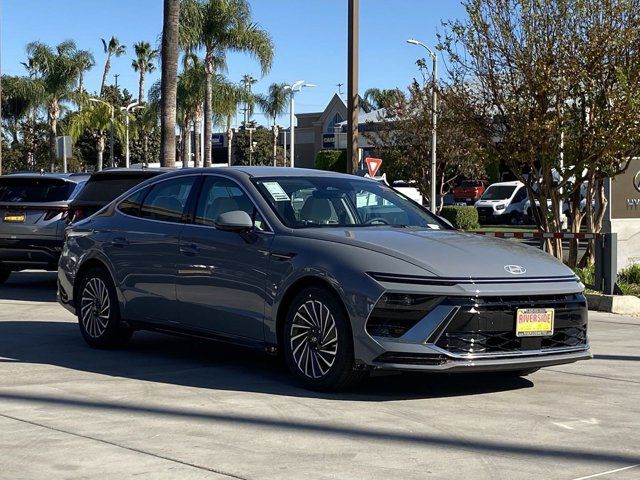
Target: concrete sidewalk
x=173 y=408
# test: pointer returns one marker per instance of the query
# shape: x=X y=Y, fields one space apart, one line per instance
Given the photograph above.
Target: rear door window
x=167 y=200
x=35 y=190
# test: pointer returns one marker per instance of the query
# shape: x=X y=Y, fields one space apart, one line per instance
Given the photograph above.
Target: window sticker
x=276 y=191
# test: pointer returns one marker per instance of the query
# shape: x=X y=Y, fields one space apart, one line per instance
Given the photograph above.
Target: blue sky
x=309 y=36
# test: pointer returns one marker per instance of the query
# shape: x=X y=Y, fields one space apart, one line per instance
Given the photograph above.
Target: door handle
x=190 y=249
x=120 y=242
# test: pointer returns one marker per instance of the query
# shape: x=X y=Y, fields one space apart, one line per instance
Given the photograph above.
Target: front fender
x=343 y=267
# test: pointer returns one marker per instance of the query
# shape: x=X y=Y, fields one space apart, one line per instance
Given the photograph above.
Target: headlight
x=500 y=207
x=397 y=313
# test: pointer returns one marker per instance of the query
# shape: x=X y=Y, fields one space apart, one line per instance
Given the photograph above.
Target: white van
x=502 y=202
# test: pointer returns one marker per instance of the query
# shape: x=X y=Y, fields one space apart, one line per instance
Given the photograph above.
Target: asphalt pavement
x=169 y=407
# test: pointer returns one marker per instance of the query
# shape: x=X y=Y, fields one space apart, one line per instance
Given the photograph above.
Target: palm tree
x=169 y=82
x=248 y=98
x=220 y=26
x=86 y=61
x=143 y=63
x=58 y=69
x=19 y=96
x=113 y=48
x=96 y=117
x=224 y=105
x=273 y=105
x=377 y=98
x=191 y=92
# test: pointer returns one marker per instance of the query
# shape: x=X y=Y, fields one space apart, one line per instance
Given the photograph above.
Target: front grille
x=485 y=211
x=487 y=325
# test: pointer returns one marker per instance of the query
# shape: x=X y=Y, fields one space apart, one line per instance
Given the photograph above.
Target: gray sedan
x=341 y=275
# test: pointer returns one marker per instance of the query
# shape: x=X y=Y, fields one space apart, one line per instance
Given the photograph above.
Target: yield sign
x=373 y=165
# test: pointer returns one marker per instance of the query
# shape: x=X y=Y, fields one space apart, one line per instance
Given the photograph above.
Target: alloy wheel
x=314 y=339
x=95 y=307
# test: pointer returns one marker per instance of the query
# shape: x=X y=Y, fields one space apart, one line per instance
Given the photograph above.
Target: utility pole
x=353 y=158
x=116 y=75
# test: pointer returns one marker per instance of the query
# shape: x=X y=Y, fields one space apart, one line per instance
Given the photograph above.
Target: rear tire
x=98 y=312
x=317 y=341
x=4 y=274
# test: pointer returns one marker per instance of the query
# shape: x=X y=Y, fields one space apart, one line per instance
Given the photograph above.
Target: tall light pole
x=126 y=110
x=353 y=28
x=434 y=121
x=293 y=89
x=97 y=100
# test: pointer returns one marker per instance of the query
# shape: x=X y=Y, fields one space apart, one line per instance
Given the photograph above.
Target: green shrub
x=587 y=275
x=463 y=218
x=332 y=160
x=630 y=275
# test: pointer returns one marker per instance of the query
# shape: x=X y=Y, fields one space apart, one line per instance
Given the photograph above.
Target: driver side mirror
x=234 y=221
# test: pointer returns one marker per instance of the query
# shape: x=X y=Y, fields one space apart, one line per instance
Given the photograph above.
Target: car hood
x=447 y=253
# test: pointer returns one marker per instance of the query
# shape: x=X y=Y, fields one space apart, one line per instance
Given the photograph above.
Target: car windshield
x=35 y=190
x=471 y=183
x=303 y=202
x=498 y=192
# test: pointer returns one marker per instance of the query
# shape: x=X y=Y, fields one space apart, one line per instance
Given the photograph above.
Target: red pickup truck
x=469 y=191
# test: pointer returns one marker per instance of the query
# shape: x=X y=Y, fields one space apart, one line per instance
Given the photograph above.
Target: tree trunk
x=196 y=153
x=101 y=143
x=169 y=83
x=230 y=141
x=275 y=142
x=107 y=67
x=141 y=86
x=54 y=111
x=208 y=99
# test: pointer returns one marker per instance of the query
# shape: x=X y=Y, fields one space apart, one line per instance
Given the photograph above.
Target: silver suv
x=33 y=213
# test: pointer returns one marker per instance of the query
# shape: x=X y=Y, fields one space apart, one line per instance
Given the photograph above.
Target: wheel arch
x=291 y=292
x=86 y=266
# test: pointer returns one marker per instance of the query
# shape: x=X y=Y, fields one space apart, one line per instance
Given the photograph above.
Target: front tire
x=318 y=343
x=98 y=312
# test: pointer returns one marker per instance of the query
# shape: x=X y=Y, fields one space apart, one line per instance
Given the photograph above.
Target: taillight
x=54 y=212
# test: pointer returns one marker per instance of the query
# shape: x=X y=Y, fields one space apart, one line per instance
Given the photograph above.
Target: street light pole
x=434 y=121
x=127 y=109
x=353 y=27
x=293 y=89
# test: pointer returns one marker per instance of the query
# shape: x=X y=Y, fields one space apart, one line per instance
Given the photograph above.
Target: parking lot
x=169 y=408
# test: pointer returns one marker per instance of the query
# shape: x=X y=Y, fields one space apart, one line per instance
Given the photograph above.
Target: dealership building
x=314 y=131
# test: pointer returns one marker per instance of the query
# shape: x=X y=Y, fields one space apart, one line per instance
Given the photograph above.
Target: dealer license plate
x=14 y=217
x=534 y=322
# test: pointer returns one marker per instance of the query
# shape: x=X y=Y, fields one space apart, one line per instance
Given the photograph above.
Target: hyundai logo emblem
x=636 y=181
x=515 y=269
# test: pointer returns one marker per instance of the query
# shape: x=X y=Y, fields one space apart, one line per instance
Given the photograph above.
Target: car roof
x=143 y=172
x=75 y=177
x=514 y=183
x=267 y=172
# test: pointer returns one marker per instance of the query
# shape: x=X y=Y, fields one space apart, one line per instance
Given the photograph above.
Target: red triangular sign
x=373 y=165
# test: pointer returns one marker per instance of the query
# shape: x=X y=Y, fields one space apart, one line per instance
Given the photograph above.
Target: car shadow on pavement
x=212 y=365
x=30 y=286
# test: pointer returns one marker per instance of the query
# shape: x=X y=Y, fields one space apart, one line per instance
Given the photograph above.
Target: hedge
x=463 y=218
x=332 y=160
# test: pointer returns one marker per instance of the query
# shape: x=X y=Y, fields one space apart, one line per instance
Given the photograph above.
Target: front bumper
x=24 y=253
x=461 y=334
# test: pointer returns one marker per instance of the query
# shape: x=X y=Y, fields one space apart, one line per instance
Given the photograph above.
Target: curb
x=620 y=304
